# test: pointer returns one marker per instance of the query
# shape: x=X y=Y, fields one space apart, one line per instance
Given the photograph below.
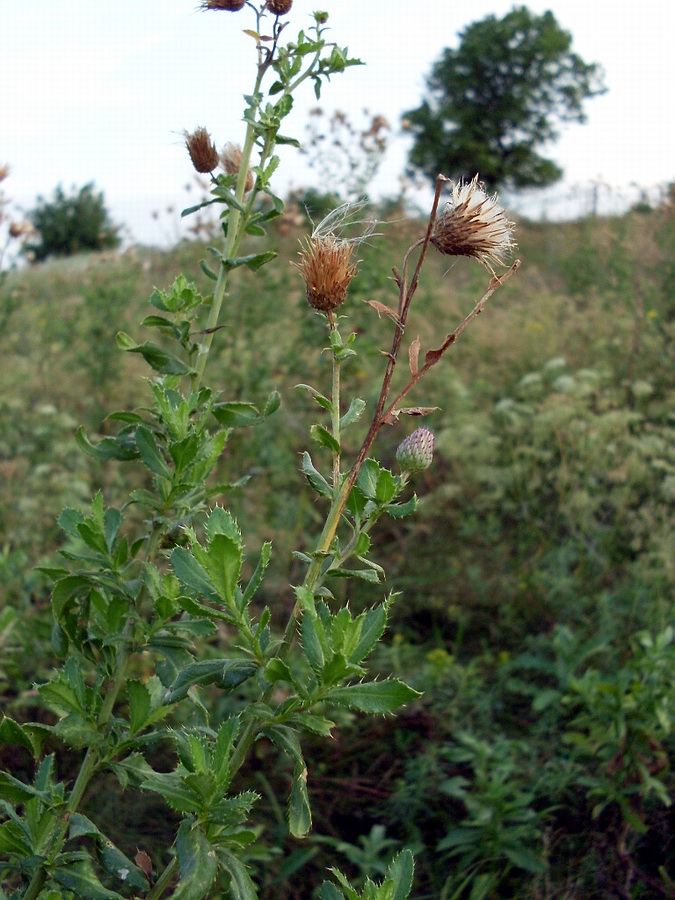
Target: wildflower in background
x=4 y=171
x=231 y=5
x=474 y=224
x=202 y=152
x=416 y=452
x=230 y=159
x=279 y=7
x=326 y=260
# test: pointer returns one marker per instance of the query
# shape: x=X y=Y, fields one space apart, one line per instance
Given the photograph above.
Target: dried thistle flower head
x=231 y=5
x=202 y=152
x=326 y=266
x=416 y=452
x=230 y=159
x=279 y=7
x=474 y=224
x=326 y=259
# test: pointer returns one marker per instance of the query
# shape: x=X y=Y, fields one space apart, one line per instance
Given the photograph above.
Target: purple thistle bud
x=416 y=452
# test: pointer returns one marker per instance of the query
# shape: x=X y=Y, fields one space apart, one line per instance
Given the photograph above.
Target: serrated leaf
x=299 y=810
x=226 y=674
x=401 y=872
x=354 y=413
x=118 y=864
x=106 y=449
x=236 y=414
x=173 y=789
x=13 y=734
x=323 y=402
x=258 y=574
x=139 y=705
x=372 y=629
x=191 y=574
x=150 y=452
x=322 y=436
x=225 y=558
x=374 y=697
x=369 y=575
x=17 y=792
x=368 y=477
x=81 y=880
x=158 y=358
x=277 y=670
x=387 y=487
x=13 y=840
x=241 y=885
x=315 y=478
x=313 y=641
x=400 y=510
x=197 y=863
x=253 y=261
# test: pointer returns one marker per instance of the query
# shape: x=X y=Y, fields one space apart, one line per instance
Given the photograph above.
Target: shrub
x=70 y=224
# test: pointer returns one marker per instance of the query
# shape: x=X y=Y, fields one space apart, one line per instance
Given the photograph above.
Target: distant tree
x=497 y=98
x=69 y=224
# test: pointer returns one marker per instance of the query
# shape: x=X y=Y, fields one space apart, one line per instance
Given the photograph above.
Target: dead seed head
x=474 y=224
x=202 y=152
x=279 y=7
x=326 y=267
x=231 y=5
x=230 y=159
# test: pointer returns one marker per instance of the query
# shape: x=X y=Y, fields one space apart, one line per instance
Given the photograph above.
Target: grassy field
x=537 y=577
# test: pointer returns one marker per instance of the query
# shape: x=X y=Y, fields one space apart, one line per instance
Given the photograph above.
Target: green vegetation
x=537 y=577
x=498 y=97
x=71 y=223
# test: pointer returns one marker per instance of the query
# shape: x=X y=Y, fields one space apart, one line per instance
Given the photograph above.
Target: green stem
x=163 y=881
x=335 y=411
x=232 y=241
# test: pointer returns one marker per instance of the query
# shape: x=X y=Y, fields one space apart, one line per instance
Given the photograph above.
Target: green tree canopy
x=496 y=98
x=71 y=224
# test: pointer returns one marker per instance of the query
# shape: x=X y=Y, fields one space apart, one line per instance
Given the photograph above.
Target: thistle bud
x=416 y=452
x=202 y=152
x=473 y=224
x=279 y=7
x=231 y=162
x=231 y=5
x=326 y=266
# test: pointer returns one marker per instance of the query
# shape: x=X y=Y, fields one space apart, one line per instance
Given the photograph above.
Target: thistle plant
x=148 y=616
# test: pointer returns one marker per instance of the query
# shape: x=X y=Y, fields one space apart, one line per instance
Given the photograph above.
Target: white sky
x=100 y=90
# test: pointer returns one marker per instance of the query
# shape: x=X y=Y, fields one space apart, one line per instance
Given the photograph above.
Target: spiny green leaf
x=299 y=810
x=317 y=481
x=197 y=863
x=241 y=885
x=226 y=674
x=322 y=436
x=150 y=452
x=374 y=697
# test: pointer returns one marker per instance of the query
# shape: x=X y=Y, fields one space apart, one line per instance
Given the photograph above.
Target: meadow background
x=537 y=576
